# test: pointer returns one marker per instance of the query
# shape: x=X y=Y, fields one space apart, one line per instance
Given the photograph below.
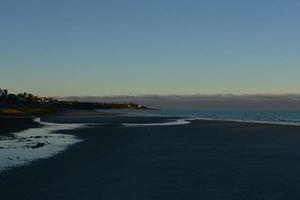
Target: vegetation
x=26 y=104
x=26 y=111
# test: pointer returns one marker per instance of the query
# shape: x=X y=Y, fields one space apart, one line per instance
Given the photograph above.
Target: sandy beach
x=203 y=160
x=15 y=124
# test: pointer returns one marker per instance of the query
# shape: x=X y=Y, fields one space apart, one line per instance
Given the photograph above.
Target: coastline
x=247 y=121
x=200 y=160
x=42 y=141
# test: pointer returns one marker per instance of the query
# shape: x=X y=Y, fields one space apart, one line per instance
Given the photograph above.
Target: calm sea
x=276 y=117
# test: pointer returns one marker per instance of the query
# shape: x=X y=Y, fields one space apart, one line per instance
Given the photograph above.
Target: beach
x=202 y=160
x=15 y=124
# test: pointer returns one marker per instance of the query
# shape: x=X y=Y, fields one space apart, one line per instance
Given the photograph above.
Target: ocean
x=270 y=117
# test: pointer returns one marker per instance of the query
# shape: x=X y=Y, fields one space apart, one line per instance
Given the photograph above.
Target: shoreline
x=192 y=118
x=249 y=121
x=200 y=160
x=27 y=122
x=70 y=118
x=38 y=142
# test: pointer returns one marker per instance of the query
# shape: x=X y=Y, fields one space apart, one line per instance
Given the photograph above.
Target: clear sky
x=117 y=47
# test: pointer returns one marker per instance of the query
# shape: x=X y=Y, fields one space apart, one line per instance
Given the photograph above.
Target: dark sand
x=203 y=160
x=15 y=124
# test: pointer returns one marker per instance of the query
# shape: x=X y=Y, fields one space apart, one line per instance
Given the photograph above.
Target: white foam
x=188 y=121
x=173 y=123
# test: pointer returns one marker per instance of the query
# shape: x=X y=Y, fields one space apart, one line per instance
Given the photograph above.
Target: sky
x=163 y=47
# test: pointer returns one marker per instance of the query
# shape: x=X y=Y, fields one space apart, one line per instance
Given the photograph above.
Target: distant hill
x=28 y=104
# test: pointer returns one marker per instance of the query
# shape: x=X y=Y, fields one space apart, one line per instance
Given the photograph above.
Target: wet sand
x=15 y=124
x=202 y=160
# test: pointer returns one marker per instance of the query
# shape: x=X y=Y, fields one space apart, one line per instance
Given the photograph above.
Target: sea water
x=270 y=117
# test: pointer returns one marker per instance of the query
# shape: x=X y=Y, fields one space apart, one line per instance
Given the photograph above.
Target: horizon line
x=186 y=95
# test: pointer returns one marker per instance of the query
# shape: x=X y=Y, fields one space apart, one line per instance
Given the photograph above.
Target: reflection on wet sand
x=35 y=143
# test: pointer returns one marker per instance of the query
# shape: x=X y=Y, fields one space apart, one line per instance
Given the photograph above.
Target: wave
x=172 y=123
x=287 y=123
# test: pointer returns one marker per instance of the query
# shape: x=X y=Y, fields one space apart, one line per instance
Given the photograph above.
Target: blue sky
x=107 y=47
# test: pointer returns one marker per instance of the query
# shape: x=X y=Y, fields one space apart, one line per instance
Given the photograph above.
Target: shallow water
x=172 y=123
x=35 y=143
x=266 y=117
